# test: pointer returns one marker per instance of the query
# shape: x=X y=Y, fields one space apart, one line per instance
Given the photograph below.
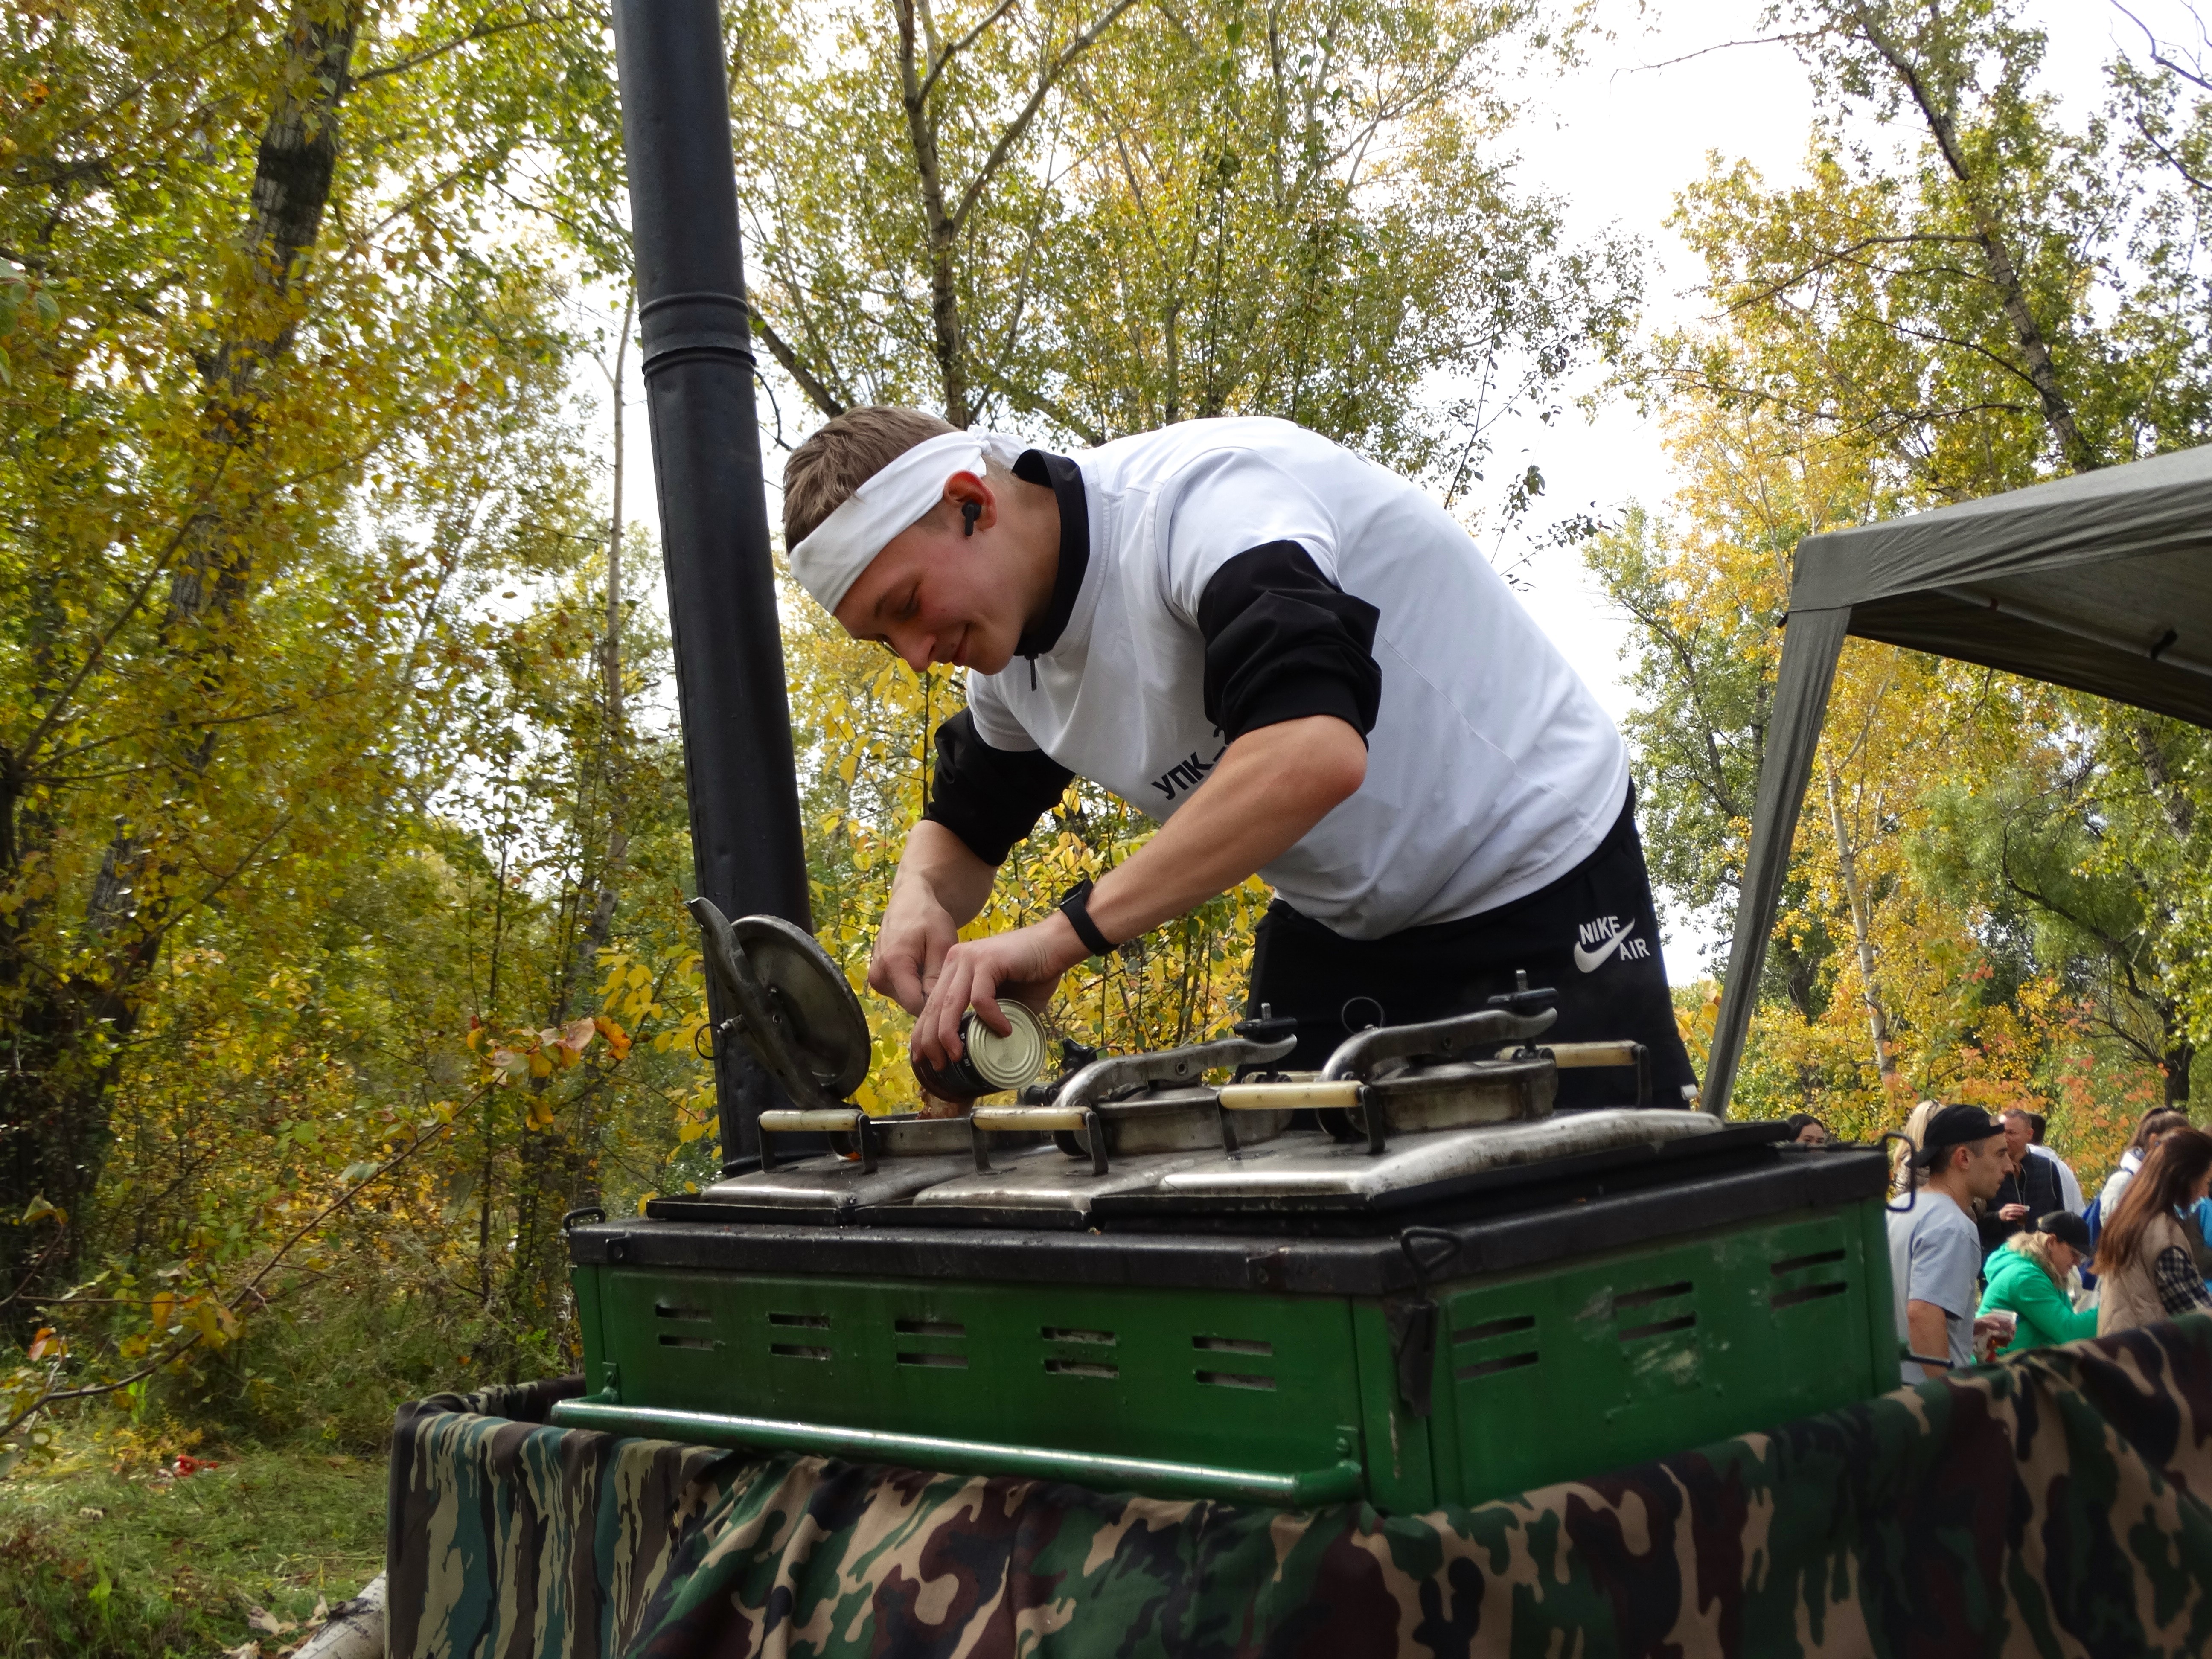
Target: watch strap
x=1074 y=904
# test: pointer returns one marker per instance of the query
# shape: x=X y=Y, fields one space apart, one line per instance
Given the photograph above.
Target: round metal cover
x=1009 y=1061
x=827 y=1031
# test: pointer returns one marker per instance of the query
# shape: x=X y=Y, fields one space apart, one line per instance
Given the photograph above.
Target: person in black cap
x=2027 y=1279
x=1935 y=1247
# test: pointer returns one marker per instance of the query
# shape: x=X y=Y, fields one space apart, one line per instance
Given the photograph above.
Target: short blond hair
x=2035 y=1245
x=844 y=453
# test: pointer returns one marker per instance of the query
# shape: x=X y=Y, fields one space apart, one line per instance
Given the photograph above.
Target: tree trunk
x=560 y=1164
x=2041 y=372
x=1861 y=910
x=55 y=1090
x=948 y=339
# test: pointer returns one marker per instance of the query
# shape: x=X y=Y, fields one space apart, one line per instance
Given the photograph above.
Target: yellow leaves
x=618 y=1039
x=215 y=1322
x=541 y=1054
x=39 y=1209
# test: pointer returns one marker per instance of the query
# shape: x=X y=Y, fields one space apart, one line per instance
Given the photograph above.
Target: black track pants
x=1593 y=935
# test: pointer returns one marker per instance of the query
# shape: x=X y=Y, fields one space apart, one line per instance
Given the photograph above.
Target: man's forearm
x=938 y=862
x=1269 y=791
x=1929 y=1329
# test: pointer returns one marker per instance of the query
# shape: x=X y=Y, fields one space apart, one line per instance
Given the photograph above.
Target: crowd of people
x=1993 y=1249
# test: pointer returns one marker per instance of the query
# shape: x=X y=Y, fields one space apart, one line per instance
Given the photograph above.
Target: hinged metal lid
x=789 y=1004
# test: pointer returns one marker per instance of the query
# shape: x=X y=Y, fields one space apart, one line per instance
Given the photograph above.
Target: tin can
x=989 y=1063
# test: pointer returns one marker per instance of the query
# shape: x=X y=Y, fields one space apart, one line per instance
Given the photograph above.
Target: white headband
x=829 y=561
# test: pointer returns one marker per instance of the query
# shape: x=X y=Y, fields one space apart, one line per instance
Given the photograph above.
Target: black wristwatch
x=1074 y=904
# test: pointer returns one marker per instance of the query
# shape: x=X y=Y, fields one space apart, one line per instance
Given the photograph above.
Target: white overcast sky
x=1618 y=138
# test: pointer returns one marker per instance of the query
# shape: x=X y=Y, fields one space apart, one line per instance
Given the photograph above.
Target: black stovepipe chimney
x=746 y=847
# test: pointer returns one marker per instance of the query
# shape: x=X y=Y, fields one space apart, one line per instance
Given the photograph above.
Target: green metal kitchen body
x=1569 y=1321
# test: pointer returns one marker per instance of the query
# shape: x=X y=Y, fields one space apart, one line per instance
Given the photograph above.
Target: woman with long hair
x=2027 y=1279
x=2161 y=1122
x=2144 y=1268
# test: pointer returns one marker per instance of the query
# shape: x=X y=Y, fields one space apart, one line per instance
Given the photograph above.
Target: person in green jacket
x=2028 y=1278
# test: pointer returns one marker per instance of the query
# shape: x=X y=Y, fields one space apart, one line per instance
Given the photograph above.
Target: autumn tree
x=1968 y=292
x=268 y=383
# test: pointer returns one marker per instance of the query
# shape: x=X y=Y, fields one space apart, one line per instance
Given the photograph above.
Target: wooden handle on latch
x=1289 y=1096
x=1016 y=1118
x=1568 y=1056
x=786 y=1123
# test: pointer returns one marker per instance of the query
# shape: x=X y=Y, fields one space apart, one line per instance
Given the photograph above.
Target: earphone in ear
x=970 y=512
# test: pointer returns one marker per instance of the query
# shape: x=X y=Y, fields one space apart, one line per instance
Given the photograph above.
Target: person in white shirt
x=1935 y=1247
x=2069 y=1185
x=2157 y=1123
x=1296 y=661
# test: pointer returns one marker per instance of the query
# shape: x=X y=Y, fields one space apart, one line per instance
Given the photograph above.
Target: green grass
x=94 y=1563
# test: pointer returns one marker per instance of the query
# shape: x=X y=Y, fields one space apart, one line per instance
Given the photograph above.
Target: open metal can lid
x=1009 y=1061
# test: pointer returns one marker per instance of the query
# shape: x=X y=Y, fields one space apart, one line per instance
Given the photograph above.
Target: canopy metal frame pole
x=748 y=853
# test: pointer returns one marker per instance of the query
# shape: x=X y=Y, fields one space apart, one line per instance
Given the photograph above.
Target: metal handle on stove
x=1121 y=1074
x=1074 y=1107
x=1358 y=1056
x=1572 y=1056
x=822 y=1119
x=1028 y=1120
x=1299 y=1095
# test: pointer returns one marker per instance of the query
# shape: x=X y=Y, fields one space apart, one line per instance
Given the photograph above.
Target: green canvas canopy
x=2101 y=582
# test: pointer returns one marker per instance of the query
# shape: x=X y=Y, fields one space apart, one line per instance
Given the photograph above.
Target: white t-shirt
x=1491 y=770
x=2115 y=1187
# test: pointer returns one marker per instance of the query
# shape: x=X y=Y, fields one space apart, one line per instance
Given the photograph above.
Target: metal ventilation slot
x=1482 y=1368
x=689 y=1315
x=797 y=1350
x=1081 y=1368
x=704 y=1343
x=1805 y=1293
x=1235 y=1380
x=1057 y=1334
x=1491 y=1328
x=805 y=1321
x=1231 y=1345
x=957 y=1362
x=928 y=1327
x=1796 y=1263
x=1658 y=1328
x=1644 y=1299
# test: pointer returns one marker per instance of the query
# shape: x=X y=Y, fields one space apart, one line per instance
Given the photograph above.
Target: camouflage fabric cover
x=2059 y=1502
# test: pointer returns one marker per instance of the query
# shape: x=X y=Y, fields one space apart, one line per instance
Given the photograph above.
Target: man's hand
x=910 y=947
x=939 y=885
x=1024 y=966
x=2012 y=1213
x=1270 y=787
